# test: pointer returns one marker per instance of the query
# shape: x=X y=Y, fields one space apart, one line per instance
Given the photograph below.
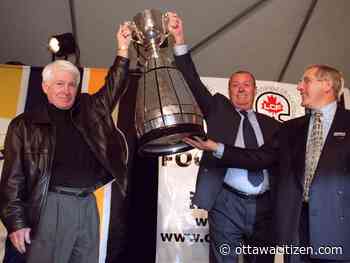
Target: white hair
x=60 y=65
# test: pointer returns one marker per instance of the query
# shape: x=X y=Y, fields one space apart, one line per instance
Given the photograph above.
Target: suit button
x=340 y=192
x=342 y=218
x=205 y=170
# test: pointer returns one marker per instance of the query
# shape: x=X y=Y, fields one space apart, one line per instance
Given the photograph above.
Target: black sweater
x=74 y=163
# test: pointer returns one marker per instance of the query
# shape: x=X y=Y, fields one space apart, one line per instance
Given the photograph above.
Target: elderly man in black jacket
x=56 y=156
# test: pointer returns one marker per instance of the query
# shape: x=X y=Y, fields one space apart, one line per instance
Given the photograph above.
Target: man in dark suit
x=237 y=200
x=313 y=189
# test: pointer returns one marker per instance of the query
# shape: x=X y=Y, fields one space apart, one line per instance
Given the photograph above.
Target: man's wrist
x=215 y=147
x=123 y=51
x=179 y=41
x=123 y=48
x=180 y=49
x=219 y=150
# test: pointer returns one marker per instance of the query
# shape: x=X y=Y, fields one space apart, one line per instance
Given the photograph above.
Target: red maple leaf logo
x=272 y=105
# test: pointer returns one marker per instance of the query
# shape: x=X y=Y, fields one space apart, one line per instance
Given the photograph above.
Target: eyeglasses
x=307 y=80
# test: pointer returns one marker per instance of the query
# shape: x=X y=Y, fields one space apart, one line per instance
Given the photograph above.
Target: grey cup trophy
x=166 y=111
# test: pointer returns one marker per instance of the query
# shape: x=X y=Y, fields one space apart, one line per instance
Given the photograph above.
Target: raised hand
x=123 y=39
x=175 y=28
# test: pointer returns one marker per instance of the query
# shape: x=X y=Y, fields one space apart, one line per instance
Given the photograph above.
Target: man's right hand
x=19 y=238
x=175 y=28
x=123 y=37
x=204 y=145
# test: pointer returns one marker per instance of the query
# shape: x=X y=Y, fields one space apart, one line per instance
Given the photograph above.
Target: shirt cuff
x=180 y=50
x=220 y=151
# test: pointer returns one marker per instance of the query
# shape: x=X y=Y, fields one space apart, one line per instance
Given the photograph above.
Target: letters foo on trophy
x=166 y=110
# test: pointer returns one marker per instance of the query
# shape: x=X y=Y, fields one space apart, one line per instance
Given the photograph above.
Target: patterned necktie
x=250 y=141
x=313 y=151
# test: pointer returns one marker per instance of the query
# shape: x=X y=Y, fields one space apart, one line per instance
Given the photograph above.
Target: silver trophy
x=166 y=111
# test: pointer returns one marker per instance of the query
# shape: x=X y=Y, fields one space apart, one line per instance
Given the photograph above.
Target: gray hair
x=325 y=72
x=60 y=65
x=243 y=72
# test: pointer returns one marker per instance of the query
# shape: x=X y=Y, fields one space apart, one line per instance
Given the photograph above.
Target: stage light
x=63 y=45
x=54 y=45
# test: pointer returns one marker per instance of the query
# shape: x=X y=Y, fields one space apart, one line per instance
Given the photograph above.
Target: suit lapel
x=301 y=140
x=330 y=142
x=301 y=132
x=264 y=126
x=236 y=119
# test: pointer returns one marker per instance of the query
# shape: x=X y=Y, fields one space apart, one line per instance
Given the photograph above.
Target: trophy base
x=166 y=141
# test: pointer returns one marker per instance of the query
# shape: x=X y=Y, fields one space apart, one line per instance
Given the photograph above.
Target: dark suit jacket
x=329 y=204
x=222 y=126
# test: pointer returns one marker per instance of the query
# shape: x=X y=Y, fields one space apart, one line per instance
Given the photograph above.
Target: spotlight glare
x=54 y=45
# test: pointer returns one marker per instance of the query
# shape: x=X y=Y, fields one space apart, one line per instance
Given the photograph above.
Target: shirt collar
x=248 y=111
x=328 y=110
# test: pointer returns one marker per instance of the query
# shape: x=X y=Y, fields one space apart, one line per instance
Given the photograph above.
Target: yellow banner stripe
x=10 y=82
x=93 y=80
x=97 y=79
x=99 y=194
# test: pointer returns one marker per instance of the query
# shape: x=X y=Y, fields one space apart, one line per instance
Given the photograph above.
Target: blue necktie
x=250 y=141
